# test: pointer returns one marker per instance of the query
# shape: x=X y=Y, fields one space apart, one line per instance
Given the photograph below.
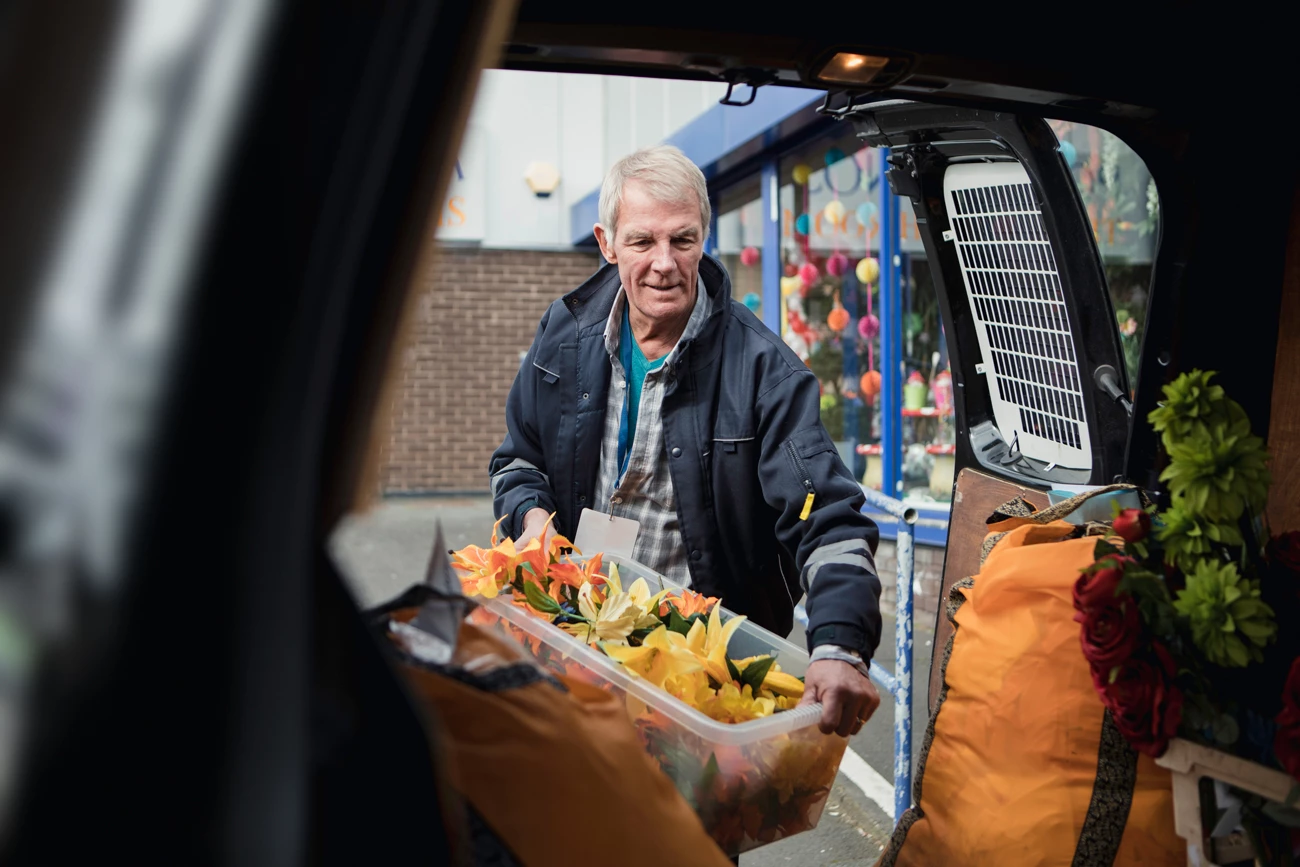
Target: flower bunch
x=675 y=639
x=1175 y=602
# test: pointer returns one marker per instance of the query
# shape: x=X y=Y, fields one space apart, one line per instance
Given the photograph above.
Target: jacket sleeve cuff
x=841 y=634
x=841 y=654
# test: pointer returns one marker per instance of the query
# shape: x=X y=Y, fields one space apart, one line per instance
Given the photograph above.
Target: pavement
x=385 y=550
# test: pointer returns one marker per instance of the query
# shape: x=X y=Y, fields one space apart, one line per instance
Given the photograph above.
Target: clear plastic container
x=751 y=783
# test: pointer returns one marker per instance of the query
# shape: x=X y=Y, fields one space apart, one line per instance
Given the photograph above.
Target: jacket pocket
x=548 y=376
x=732 y=429
x=802 y=447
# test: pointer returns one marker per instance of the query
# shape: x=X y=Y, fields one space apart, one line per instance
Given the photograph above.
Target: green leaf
x=755 y=672
x=540 y=600
x=731 y=668
x=1102 y=548
x=676 y=622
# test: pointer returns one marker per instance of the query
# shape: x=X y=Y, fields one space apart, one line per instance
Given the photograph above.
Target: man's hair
x=665 y=173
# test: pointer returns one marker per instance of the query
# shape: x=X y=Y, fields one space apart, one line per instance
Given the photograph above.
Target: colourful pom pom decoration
x=837 y=264
x=869 y=385
x=800 y=173
x=838 y=319
x=809 y=273
x=749 y=256
x=752 y=301
x=834 y=211
x=865 y=212
x=833 y=156
x=802 y=224
x=868 y=327
x=868 y=270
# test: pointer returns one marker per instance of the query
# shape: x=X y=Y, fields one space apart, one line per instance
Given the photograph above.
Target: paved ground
x=386 y=550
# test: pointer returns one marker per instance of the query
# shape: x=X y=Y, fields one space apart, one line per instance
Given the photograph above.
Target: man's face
x=657 y=249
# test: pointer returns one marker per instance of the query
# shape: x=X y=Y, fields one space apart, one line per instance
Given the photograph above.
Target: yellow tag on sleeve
x=807 y=507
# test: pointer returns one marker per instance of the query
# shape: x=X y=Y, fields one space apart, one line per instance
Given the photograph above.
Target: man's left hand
x=848 y=699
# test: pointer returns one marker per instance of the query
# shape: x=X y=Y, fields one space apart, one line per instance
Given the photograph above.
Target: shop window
x=1124 y=208
x=830 y=243
x=739 y=241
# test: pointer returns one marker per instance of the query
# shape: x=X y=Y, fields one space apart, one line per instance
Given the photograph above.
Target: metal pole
x=771 y=259
x=903 y=673
x=891 y=335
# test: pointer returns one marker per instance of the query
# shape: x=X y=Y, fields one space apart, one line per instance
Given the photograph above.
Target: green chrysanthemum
x=1219 y=471
x=1187 y=537
x=1229 y=621
x=1190 y=404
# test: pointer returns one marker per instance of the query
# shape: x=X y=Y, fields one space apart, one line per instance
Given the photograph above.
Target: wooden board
x=975 y=497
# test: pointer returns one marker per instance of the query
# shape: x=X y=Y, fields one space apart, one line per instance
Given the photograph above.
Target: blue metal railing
x=898 y=684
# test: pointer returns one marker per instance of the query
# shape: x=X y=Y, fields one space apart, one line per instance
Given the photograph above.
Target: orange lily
x=572 y=574
x=688 y=603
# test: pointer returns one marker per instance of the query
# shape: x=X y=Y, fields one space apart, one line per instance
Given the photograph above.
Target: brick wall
x=927 y=566
x=478 y=310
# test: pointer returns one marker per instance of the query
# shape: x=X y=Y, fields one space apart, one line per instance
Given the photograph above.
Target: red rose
x=1144 y=702
x=1111 y=633
x=1132 y=525
x=1284 y=550
x=1098 y=586
x=1286 y=743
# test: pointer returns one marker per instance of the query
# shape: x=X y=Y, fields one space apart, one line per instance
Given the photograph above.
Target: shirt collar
x=699 y=315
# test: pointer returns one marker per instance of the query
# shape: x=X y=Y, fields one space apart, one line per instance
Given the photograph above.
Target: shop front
x=821 y=250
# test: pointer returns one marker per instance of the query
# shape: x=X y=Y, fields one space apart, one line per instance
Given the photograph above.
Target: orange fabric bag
x=1021 y=764
x=556 y=772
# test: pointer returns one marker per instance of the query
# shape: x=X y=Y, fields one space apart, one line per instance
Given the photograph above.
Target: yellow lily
x=647 y=605
x=734 y=705
x=715 y=645
x=658 y=658
x=783 y=684
x=613 y=621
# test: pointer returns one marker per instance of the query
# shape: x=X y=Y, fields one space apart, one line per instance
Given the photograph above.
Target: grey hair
x=667 y=174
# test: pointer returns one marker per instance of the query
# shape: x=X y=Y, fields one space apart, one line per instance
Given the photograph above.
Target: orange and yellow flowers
x=676 y=639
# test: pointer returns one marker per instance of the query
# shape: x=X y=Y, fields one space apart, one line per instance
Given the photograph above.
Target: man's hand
x=848 y=699
x=536 y=521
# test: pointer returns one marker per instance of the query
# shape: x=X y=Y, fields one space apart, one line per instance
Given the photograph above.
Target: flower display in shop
x=1179 y=612
x=676 y=639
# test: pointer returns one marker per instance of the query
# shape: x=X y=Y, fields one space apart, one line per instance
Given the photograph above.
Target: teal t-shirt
x=636 y=366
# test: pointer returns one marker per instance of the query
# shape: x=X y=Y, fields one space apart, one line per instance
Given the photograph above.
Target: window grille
x=1014 y=288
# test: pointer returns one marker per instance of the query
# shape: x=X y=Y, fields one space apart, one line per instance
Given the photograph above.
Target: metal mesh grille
x=1015 y=292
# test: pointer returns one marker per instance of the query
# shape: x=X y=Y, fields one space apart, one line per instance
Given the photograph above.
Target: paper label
x=606 y=534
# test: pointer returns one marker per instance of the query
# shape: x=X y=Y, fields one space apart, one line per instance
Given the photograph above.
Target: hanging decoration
x=837 y=264
x=801 y=173
x=834 y=212
x=749 y=257
x=869 y=327
x=869 y=385
x=809 y=273
x=752 y=301
x=868 y=271
x=833 y=156
x=802 y=224
x=865 y=212
x=838 y=318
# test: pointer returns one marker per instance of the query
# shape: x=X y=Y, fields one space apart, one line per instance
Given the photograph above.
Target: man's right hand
x=536 y=522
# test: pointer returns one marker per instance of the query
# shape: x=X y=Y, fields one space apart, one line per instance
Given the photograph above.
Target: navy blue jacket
x=745 y=412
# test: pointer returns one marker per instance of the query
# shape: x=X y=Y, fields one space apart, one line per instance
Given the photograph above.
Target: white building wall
x=580 y=124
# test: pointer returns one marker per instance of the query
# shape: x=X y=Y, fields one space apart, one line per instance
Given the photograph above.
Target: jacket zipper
x=802 y=471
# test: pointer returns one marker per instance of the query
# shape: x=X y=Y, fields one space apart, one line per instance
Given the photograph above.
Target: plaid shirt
x=646 y=493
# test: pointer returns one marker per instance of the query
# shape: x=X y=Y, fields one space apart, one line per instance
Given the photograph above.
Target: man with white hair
x=649 y=394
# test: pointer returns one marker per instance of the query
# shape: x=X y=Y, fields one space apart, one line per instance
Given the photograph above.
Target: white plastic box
x=750 y=783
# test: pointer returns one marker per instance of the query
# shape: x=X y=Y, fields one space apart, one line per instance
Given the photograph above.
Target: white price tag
x=606 y=534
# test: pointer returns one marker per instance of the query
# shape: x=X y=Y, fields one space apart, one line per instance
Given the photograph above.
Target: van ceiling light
x=846 y=68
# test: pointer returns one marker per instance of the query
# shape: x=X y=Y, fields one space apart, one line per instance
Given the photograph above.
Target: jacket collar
x=591 y=303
